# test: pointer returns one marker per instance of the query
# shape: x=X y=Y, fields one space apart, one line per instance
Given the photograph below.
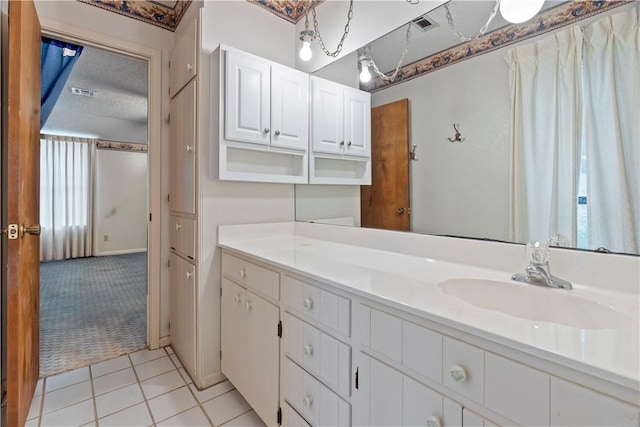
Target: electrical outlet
x=105 y=238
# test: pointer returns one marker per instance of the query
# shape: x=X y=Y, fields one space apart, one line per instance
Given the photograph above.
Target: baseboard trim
x=123 y=252
x=209 y=380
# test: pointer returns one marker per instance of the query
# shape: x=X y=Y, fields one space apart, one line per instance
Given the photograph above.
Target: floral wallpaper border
x=122 y=146
x=148 y=11
x=558 y=17
x=289 y=10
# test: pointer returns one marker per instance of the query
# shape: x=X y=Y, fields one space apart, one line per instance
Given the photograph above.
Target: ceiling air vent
x=84 y=92
x=424 y=23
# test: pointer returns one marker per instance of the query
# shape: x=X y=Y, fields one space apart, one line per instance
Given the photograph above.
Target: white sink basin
x=536 y=303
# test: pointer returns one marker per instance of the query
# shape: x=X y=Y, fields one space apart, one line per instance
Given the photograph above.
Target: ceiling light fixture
x=307 y=35
x=365 y=74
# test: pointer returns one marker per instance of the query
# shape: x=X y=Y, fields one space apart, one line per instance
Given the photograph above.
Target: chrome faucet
x=538 y=271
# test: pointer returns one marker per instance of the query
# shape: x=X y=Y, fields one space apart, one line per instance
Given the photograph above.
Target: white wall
x=459 y=188
x=327 y=203
x=120 y=202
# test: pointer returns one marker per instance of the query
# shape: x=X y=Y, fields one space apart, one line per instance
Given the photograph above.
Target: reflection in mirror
x=549 y=136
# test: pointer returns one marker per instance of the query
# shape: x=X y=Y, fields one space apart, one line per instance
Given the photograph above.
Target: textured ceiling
x=162 y=13
x=118 y=112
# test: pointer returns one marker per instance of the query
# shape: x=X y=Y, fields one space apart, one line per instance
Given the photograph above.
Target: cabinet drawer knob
x=189 y=148
x=243 y=273
x=307 y=401
x=238 y=299
x=248 y=305
x=267 y=130
x=458 y=373
x=307 y=303
x=178 y=226
x=189 y=275
x=434 y=421
x=189 y=67
x=308 y=350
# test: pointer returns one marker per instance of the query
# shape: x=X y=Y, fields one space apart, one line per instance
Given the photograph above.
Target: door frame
x=82 y=36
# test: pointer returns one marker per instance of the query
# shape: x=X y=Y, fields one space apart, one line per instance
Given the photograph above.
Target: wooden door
x=385 y=203
x=357 y=122
x=22 y=198
x=289 y=108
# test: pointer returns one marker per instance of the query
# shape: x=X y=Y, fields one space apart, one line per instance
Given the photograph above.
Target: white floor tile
x=162 y=384
x=211 y=392
x=185 y=375
x=65 y=379
x=109 y=366
x=144 y=356
x=226 y=407
x=172 y=403
x=135 y=416
x=118 y=399
x=153 y=368
x=34 y=409
x=75 y=415
x=113 y=381
x=192 y=418
x=176 y=361
x=66 y=396
x=248 y=419
x=39 y=387
x=169 y=349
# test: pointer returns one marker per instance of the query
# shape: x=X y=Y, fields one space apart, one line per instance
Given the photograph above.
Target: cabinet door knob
x=267 y=130
x=307 y=350
x=307 y=303
x=277 y=132
x=434 y=421
x=307 y=401
x=189 y=275
x=243 y=273
x=248 y=305
x=189 y=67
x=178 y=226
x=238 y=299
x=189 y=148
x=458 y=373
x=349 y=144
x=341 y=143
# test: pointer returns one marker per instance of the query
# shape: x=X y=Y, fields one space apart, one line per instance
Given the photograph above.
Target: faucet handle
x=537 y=252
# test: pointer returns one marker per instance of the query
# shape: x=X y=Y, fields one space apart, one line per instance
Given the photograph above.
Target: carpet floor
x=91 y=309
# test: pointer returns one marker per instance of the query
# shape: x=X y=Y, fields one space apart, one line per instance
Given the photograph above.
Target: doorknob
x=34 y=229
x=401 y=211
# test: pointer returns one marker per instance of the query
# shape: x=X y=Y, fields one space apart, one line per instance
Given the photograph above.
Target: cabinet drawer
x=315 y=402
x=260 y=279
x=290 y=418
x=463 y=368
x=182 y=236
x=322 y=306
x=319 y=353
x=422 y=350
x=516 y=391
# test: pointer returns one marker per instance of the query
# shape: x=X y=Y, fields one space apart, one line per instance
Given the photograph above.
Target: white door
x=233 y=340
x=289 y=108
x=357 y=123
x=183 y=315
x=327 y=117
x=247 y=99
x=262 y=346
x=182 y=163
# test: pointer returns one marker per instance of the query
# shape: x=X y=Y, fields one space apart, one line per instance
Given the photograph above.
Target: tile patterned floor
x=145 y=388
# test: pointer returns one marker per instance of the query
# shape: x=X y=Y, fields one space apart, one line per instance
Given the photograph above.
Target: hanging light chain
x=393 y=76
x=344 y=35
x=480 y=33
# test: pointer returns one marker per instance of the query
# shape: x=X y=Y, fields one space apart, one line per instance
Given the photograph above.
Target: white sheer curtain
x=612 y=131
x=545 y=125
x=66 y=196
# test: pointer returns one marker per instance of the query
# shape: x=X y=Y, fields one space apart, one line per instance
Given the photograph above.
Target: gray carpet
x=91 y=309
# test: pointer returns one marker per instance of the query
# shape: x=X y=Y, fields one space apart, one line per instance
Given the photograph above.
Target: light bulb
x=518 y=11
x=365 y=74
x=305 y=51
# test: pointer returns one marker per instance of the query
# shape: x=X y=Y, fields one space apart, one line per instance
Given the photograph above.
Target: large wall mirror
x=498 y=154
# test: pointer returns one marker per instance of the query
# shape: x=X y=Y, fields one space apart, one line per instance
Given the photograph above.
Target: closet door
x=182 y=163
x=289 y=108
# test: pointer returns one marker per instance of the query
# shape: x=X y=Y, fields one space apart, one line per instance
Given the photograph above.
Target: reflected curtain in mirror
x=66 y=197
x=612 y=131
x=545 y=135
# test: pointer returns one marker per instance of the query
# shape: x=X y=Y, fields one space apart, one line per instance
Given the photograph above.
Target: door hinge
x=280 y=328
x=357 y=382
x=169 y=116
x=220 y=291
x=168 y=197
x=169 y=263
x=149 y=216
x=220 y=354
x=169 y=325
x=279 y=416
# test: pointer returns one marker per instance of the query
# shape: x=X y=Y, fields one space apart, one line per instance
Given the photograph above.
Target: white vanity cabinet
x=340 y=134
x=251 y=335
x=259 y=119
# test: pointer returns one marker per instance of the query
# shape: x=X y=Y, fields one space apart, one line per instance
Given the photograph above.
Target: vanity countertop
x=589 y=330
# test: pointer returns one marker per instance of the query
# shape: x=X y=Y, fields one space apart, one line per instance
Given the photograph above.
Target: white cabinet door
x=247 y=99
x=327 y=117
x=233 y=340
x=182 y=162
x=183 y=59
x=357 y=123
x=183 y=311
x=262 y=347
x=385 y=395
x=419 y=404
x=289 y=108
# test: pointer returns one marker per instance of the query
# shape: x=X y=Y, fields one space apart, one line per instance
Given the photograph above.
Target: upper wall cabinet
x=260 y=119
x=183 y=59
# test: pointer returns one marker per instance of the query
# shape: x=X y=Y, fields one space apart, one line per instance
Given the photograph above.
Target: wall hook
x=458 y=135
x=412 y=153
